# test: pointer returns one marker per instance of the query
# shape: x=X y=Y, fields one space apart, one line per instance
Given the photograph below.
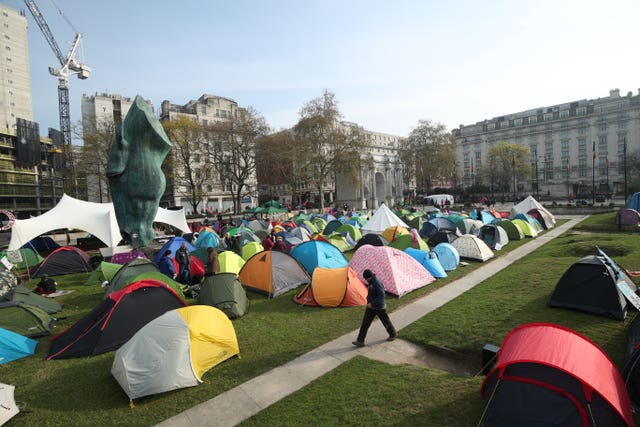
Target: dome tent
x=333 y=287
x=398 y=272
x=174 y=351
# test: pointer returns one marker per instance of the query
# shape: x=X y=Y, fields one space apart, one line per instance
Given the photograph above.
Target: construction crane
x=68 y=66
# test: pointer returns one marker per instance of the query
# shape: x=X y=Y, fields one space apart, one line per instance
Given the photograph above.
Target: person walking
x=166 y=265
x=376 y=306
x=183 y=257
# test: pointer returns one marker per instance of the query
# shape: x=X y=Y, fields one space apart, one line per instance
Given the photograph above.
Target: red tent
x=550 y=375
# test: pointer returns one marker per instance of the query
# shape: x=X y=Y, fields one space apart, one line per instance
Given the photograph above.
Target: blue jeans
x=369 y=315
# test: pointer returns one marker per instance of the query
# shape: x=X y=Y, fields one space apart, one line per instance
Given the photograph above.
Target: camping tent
x=272 y=273
x=147 y=275
x=382 y=219
x=174 y=351
x=41 y=244
x=438 y=223
x=442 y=236
x=412 y=240
x=8 y=281
x=104 y=271
x=393 y=232
x=20 y=294
x=429 y=260
x=447 y=255
x=628 y=217
x=8 y=407
x=353 y=231
x=64 y=260
x=530 y=203
x=590 y=285
x=25 y=319
x=372 y=239
x=207 y=239
x=634 y=202
x=495 y=237
x=115 y=320
x=513 y=230
x=342 y=241
x=333 y=287
x=398 y=272
x=230 y=262
x=549 y=375
x=250 y=249
x=469 y=246
x=127 y=272
x=172 y=245
x=318 y=253
x=225 y=292
x=631 y=371
x=533 y=222
x=14 y=346
x=525 y=227
x=24 y=259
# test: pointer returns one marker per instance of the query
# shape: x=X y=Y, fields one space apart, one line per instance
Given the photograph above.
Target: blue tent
x=634 y=202
x=436 y=224
x=15 y=346
x=534 y=223
x=173 y=245
x=428 y=260
x=41 y=244
x=207 y=239
x=316 y=253
x=447 y=255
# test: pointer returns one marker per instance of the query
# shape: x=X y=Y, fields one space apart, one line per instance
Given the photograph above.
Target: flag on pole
x=513 y=161
x=594 y=150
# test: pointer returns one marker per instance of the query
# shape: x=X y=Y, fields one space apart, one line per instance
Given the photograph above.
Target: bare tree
x=327 y=144
x=92 y=157
x=232 y=147
x=276 y=162
x=507 y=162
x=427 y=153
x=190 y=165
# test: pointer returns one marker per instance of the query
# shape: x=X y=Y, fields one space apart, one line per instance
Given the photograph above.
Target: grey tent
x=225 y=292
x=127 y=272
x=20 y=294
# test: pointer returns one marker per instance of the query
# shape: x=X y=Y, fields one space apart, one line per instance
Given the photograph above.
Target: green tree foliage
x=327 y=145
x=191 y=168
x=232 y=147
x=427 y=153
x=504 y=160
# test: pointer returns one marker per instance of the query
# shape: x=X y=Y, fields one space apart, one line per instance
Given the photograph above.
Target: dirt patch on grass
x=401 y=352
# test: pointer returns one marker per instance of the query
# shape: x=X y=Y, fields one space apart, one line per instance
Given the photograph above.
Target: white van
x=438 y=200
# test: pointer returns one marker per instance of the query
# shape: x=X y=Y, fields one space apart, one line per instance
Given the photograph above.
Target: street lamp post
x=624 y=164
x=593 y=173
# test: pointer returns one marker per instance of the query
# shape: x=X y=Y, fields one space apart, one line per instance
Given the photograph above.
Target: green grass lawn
x=83 y=392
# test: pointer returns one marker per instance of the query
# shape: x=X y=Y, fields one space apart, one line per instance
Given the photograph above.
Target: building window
x=564 y=114
x=517 y=122
x=622 y=124
x=533 y=119
x=581 y=111
x=547 y=116
x=602 y=127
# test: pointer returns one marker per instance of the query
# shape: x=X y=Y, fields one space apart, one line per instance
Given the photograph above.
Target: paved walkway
x=247 y=399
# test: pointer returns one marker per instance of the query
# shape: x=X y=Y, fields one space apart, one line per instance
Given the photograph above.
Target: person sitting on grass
x=46 y=285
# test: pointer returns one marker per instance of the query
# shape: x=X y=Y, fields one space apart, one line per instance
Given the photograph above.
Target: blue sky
x=390 y=63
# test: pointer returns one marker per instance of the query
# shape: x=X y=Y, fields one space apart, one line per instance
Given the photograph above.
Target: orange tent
x=333 y=287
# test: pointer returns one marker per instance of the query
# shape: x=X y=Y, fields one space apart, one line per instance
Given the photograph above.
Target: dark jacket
x=376 y=296
x=183 y=257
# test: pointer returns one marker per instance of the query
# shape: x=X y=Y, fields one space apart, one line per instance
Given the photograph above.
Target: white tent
x=382 y=219
x=530 y=203
x=8 y=407
x=470 y=246
x=99 y=219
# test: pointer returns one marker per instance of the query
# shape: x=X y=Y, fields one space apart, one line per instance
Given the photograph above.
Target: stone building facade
x=576 y=147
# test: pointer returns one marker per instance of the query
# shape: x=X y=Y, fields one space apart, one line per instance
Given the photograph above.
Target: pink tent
x=398 y=271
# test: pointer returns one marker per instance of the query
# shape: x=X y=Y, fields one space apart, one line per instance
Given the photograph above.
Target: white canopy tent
x=99 y=219
x=382 y=219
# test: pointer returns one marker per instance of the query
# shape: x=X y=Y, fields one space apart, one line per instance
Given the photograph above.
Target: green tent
x=29 y=257
x=201 y=254
x=224 y=292
x=272 y=204
x=105 y=271
x=22 y=295
x=405 y=241
x=25 y=319
x=353 y=232
x=230 y=262
x=129 y=271
x=156 y=275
